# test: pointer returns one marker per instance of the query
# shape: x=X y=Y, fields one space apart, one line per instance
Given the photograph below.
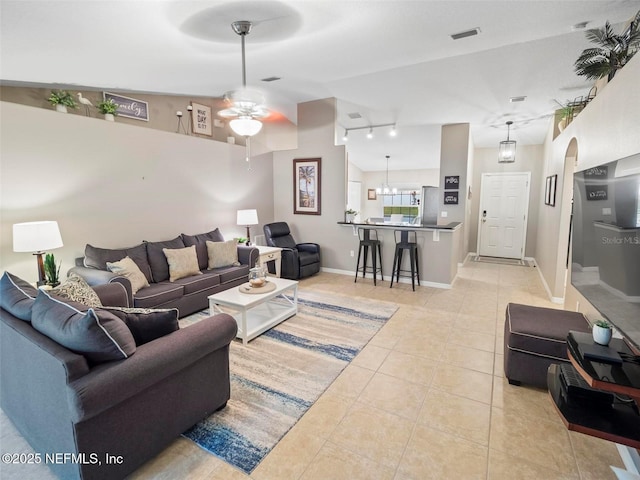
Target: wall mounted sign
x=129 y=107
x=201 y=119
x=597 y=172
x=452 y=182
x=597 y=192
x=306 y=186
x=451 y=198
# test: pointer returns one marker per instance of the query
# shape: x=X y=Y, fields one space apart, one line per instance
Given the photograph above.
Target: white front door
x=504 y=203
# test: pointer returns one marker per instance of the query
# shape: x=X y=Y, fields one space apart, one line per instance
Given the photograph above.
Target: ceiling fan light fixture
x=507 y=148
x=245 y=126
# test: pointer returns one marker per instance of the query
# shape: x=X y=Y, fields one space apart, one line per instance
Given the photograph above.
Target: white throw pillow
x=183 y=262
x=129 y=269
x=222 y=254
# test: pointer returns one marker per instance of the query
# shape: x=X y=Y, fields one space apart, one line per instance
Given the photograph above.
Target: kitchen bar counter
x=438 y=249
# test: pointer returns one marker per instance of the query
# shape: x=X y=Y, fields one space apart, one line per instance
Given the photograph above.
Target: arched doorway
x=564 y=253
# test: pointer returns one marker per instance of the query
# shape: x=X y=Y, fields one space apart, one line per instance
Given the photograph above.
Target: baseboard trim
x=423 y=283
x=558 y=300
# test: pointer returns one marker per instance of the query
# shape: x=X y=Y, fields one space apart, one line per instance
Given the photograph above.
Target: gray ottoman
x=534 y=338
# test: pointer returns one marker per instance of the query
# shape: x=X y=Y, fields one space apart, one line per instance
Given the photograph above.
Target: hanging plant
x=611 y=53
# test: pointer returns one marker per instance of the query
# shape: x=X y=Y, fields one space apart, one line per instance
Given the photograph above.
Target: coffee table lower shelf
x=255 y=314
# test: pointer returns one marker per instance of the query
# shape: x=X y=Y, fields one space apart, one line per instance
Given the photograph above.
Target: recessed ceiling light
x=518 y=99
x=466 y=33
x=271 y=79
x=354 y=115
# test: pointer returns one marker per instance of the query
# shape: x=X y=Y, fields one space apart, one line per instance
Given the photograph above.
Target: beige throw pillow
x=183 y=262
x=129 y=269
x=222 y=254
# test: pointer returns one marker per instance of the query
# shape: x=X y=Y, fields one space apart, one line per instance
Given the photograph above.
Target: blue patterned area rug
x=280 y=374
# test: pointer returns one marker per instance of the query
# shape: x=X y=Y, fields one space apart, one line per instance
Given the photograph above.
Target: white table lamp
x=247 y=218
x=36 y=237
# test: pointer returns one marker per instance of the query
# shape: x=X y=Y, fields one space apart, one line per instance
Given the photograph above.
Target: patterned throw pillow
x=183 y=262
x=129 y=269
x=222 y=254
x=75 y=288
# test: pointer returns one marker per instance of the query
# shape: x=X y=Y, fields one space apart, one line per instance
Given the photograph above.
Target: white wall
x=114 y=185
x=606 y=130
x=316 y=138
x=529 y=158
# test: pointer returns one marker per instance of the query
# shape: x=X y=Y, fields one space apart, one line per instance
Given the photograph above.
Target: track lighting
x=392 y=133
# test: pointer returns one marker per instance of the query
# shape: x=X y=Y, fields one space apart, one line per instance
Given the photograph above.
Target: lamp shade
x=36 y=236
x=246 y=126
x=507 y=151
x=247 y=217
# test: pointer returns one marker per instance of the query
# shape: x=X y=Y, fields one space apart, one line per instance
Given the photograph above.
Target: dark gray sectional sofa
x=131 y=409
x=188 y=294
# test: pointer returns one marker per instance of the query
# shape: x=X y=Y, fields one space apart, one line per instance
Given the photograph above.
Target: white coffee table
x=257 y=313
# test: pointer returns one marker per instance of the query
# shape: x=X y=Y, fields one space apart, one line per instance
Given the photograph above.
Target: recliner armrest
x=308 y=247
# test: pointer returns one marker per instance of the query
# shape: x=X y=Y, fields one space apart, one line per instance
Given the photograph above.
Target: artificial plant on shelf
x=63 y=98
x=107 y=107
x=51 y=270
x=612 y=51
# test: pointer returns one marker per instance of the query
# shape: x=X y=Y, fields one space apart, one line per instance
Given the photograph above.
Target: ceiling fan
x=245 y=106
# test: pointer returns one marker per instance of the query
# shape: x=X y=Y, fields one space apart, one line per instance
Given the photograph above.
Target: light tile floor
x=425 y=399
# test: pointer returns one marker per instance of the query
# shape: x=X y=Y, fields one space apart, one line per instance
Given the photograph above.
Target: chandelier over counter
x=384 y=189
x=507 y=148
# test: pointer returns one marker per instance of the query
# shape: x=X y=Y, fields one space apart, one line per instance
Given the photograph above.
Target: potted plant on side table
x=51 y=270
x=61 y=99
x=108 y=109
x=602 y=332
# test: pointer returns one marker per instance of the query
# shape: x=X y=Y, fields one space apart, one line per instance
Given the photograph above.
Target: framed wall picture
x=129 y=107
x=451 y=198
x=452 y=182
x=371 y=194
x=306 y=186
x=552 y=190
x=547 y=190
x=201 y=119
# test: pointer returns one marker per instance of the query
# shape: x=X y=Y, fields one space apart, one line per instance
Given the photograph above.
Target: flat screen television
x=605 y=260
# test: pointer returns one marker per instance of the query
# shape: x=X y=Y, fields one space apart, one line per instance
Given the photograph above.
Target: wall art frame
x=307 y=186
x=201 y=121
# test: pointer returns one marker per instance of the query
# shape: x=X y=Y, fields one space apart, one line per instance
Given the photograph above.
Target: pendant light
x=385 y=189
x=507 y=148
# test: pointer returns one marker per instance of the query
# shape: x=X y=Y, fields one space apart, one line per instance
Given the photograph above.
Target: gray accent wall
x=114 y=184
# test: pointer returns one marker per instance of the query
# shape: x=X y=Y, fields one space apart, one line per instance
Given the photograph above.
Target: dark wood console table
x=619 y=423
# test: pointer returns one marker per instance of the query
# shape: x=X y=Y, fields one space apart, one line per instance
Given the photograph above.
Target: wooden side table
x=621 y=422
x=268 y=254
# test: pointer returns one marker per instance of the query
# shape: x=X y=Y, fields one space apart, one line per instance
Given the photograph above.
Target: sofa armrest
x=248 y=255
x=112 y=294
x=110 y=383
x=94 y=277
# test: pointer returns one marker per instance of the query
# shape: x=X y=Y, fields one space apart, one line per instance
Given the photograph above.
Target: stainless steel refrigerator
x=429 y=205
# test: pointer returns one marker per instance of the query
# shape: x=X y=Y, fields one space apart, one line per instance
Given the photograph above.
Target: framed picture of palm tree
x=306 y=186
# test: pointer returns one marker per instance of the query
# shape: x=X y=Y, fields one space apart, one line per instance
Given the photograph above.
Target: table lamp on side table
x=247 y=218
x=37 y=237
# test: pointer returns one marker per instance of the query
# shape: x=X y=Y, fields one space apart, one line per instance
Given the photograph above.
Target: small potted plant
x=51 y=270
x=602 y=332
x=62 y=99
x=566 y=115
x=349 y=215
x=108 y=109
x=241 y=240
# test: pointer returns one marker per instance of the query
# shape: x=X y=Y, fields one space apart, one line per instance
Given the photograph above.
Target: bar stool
x=406 y=240
x=369 y=238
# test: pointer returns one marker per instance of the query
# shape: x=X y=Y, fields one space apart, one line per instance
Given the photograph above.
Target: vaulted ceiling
x=390 y=61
